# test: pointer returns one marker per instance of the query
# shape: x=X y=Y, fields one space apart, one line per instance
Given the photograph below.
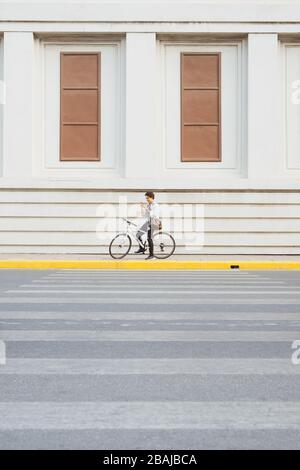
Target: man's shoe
x=140 y=250
x=150 y=257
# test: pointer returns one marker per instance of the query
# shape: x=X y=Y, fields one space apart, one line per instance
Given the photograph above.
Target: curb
x=147 y=265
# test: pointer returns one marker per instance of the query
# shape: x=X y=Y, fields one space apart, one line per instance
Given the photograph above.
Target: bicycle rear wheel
x=120 y=246
x=163 y=245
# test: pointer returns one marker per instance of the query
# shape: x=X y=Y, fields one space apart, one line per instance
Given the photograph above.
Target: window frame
x=182 y=124
x=99 y=123
x=234 y=122
x=46 y=162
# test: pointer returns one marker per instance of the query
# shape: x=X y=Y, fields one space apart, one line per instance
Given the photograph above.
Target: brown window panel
x=80 y=106
x=200 y=106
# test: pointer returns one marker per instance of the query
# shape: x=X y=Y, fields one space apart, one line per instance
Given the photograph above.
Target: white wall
x=141 y=133
x=251 y=200
x=2 y=100
x=18 y=137
x=141 y=95
x=291 y=110
x=151 y=10
x=232 y=223
x=264 y=95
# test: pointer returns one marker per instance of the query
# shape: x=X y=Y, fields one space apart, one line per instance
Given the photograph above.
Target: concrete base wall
x=207 y=223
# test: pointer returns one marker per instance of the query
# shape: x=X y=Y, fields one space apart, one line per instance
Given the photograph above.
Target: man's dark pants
x=149 y=228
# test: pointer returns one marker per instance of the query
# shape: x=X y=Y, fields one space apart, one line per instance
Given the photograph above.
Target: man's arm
x=143 y=208
x=155 y=214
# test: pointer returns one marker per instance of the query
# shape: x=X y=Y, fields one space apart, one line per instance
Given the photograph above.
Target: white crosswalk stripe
x=157 y=415
x=148 y=335
x=206 y=366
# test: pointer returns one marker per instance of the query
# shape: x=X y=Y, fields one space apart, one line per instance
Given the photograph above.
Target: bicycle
x=163 y=243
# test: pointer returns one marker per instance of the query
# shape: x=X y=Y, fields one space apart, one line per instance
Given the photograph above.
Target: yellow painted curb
x=147 y=265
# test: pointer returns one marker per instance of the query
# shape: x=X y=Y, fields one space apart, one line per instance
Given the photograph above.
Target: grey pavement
x=185 y=255
x=149 y=359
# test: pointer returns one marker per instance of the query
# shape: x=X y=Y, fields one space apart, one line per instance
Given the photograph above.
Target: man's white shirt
x=152 y=213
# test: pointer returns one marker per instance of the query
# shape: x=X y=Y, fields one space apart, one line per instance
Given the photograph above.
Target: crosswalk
x=149 y=360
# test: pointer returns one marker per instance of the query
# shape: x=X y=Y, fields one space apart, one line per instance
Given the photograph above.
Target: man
x=151 y=222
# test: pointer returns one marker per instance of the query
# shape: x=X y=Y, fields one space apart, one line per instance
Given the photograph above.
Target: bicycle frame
x=132 y=232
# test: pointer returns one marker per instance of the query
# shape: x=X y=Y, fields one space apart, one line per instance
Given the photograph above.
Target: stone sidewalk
x=185 y=257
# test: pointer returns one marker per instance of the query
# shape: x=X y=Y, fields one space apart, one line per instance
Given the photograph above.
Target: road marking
x=150 y=366
x=150 y=285
x=286 y=291
x=147 y=275
x=194 y=290
x=160 y=272
x=150 y=415
x=157 y=315
x=113 y=300
x=149 y=335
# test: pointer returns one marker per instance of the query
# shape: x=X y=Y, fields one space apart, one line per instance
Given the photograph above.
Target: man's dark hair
x=150 y=194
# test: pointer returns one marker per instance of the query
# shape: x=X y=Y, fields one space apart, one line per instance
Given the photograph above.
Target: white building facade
x=198 y=101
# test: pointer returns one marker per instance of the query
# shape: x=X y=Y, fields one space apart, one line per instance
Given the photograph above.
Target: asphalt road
x=149 y=360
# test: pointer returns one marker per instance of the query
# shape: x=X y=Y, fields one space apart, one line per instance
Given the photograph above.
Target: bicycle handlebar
x=128 y=221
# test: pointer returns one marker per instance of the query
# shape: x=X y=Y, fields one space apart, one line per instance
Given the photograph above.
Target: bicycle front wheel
x=163 y=245
x=120 y=246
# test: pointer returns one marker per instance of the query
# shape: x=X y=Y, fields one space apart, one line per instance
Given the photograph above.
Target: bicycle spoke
x=163 y=244
x=120 y=246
